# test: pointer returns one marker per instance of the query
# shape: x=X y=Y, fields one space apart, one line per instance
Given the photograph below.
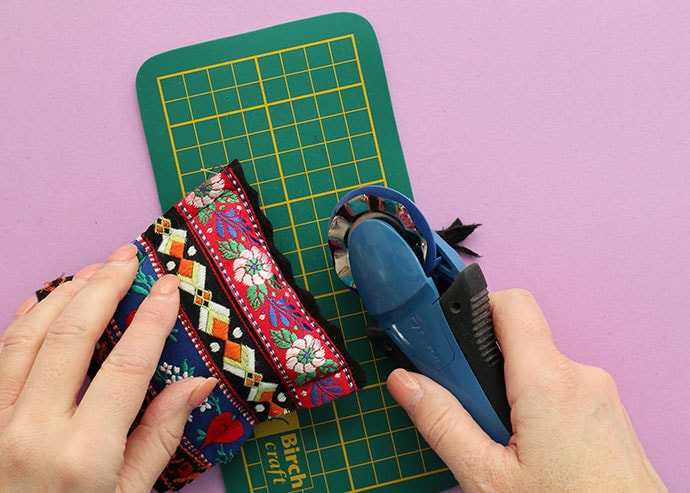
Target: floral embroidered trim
x=253 y=267
x=230 y=232
x=205 y=193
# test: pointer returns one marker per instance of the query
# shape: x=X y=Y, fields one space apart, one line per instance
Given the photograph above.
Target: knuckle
x=152 y=316
x=68 y=325
x=485 y=474
x=600 y=380
x=575 y=382
x=20 y=336
x=131 y=363
x=110 y=280
x=438 y=427
x=134 y=478
x=68 y=463
x=13 y=439
x=120 y=272
x=10 y=390
x=562 y=381
x=67 y=289
x=161 y=443
x=73 y=464
x=605 y=377
x=520 y=295
x=513 y=300
x=167 y=438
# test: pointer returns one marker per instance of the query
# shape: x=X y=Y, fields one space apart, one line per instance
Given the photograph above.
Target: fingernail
x=123 y=254
x=201 y=392
x=88 y=271
x=410 y=383
x=26 y=306
x=412 y=389
x=166 y=285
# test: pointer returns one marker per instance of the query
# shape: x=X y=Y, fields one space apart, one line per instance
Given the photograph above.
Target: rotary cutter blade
x=385 y=204
x=429 y=303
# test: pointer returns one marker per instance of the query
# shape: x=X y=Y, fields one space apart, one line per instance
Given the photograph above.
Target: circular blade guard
x=376 y=202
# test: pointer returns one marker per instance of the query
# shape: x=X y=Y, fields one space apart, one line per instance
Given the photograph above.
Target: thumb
x=152 y=443
x=472 y=456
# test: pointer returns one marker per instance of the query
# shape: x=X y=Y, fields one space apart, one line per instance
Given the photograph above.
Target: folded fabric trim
x=242 y=320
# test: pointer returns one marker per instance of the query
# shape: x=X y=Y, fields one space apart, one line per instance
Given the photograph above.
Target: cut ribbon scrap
x=242 y=320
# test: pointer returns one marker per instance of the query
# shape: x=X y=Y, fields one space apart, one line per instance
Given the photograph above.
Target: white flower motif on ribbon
x=206 y=193
x=172 y=374
x=204 y=406
x=305 y=355
x=253 y=267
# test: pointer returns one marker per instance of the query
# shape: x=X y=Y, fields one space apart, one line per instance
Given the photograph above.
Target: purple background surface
x=562 y=128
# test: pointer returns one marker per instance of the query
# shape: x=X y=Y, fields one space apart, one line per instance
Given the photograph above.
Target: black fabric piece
x=50 y=286
x=456 y=233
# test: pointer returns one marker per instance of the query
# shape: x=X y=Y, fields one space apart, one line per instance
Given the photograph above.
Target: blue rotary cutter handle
x=433 y=306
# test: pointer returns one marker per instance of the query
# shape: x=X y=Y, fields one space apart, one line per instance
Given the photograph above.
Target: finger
x=26 y=306
x=153 y=442
x=61 y=363
x=446 y=426
x=524 y=336
x=117 y=391
x=23 y=338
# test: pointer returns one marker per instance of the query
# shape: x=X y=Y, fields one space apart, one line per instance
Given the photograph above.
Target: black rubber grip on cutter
x=465 y=305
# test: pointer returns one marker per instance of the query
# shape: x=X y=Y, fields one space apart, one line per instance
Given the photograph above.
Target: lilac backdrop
x=562 y=128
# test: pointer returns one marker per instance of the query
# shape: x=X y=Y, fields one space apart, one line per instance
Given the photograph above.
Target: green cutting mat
x=305 y=107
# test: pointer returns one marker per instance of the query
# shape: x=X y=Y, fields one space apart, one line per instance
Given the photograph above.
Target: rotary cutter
x=433 y=306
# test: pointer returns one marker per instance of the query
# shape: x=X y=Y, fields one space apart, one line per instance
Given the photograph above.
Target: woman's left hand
x=51 y=442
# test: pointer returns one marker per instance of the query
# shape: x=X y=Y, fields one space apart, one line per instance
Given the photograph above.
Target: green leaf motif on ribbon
x=283 y=338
